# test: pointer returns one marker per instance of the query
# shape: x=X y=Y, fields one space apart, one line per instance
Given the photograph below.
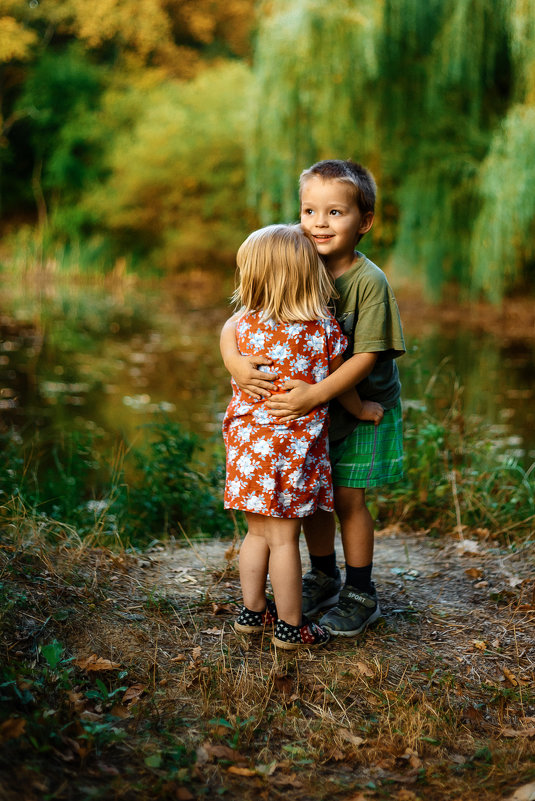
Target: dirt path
x=440 y=693
x=125 y=680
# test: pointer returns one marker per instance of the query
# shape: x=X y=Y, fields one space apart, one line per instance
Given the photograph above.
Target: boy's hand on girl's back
x=371 y=411
x=297 y=400
x=254 y=382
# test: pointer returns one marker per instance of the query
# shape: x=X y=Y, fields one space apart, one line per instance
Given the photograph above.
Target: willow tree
x=502 y=248
x=433 y=96
x=312 y=63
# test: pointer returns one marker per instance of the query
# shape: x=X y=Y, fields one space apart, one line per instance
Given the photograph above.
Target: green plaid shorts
x=371 y=455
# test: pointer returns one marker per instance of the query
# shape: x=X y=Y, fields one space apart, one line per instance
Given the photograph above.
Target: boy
x=337 y=209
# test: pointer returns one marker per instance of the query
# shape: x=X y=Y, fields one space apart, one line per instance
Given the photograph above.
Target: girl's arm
x=351 y=401
x=243 y=369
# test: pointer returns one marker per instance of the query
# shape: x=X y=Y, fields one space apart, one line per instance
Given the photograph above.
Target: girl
x=279 y=472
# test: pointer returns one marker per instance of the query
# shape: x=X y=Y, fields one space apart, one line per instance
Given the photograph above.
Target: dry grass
x=436 y=702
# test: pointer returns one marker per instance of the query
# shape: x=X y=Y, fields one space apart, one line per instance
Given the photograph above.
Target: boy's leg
x=357 y=606
x=321 y=585
x=356 y=524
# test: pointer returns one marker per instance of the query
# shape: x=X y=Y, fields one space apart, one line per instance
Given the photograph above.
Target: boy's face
x=329 y=212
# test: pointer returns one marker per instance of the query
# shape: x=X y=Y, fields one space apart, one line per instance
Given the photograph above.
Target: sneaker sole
x=293 y=646
x=241 y=629
x=332 y=601
x=339 y=633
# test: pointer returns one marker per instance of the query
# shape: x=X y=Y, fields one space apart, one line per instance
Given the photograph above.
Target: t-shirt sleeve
x=378 y=328
x=336 y=341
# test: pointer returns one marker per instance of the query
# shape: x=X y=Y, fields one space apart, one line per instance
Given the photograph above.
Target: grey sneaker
x=320 y=590
x=353 y=613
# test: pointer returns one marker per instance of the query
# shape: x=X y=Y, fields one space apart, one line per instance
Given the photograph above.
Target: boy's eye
x=335 y=212
x=307 y=211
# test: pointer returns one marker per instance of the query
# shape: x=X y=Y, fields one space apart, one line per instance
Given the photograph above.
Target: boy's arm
x=243 y=369
x=351 y=400
x=303 y=397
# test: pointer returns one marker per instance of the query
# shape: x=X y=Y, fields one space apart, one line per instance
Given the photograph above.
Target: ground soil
x=435 y=703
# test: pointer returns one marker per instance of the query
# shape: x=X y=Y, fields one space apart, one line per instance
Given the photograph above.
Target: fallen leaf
x=471 y=713
x=514 y=581
x=183 y=794
x=220 y=751
x=267 y=770
x=196 y=653
x=365 y=670
x=76 y=699
x=354 y=739
x=120 y=711
x=109 y=770
x=519 y=733
x=510 y=676
x=223 y=609
x=467 y=547
x=12 y=728
x=213 y=632
x=337 y=755
x=481 y=645
x=96 y=663
x=284 y=684
x=473 y=572
x=133 y=693
x=241 y=771
x=524 y=793
x=179 y=658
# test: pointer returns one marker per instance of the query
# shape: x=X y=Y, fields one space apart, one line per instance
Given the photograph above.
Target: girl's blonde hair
x=282 y=276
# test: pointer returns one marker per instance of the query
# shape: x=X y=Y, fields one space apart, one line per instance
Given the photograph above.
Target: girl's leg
x=254 y=558
x=280 y=538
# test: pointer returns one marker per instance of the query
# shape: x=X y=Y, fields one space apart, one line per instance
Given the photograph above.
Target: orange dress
x=274 y=468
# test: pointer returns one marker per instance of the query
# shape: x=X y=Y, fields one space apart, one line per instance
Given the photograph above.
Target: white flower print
x=256 y=504
x=246 y=465
x=268 y=483
x=316 y=343
x=234 y=486
x=262 y=446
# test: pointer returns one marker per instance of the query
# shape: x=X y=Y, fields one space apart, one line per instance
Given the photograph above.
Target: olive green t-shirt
x=369 y=317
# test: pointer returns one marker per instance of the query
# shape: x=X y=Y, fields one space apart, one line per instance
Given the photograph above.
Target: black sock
x=359 y=577
x=327 y=564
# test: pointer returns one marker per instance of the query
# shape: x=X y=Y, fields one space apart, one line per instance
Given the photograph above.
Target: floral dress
x=274 y=468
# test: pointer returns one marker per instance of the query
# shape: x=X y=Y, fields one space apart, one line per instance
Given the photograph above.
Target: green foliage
x=309 y=105
x=159 y=490
x=172 y=492
x=424 y=106
x=456 y=474
x=176 y=176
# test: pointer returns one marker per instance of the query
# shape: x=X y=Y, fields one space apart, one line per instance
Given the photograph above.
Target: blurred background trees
x=164 y=130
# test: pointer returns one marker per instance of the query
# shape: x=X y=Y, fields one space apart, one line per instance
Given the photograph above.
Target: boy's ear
x=367 y=222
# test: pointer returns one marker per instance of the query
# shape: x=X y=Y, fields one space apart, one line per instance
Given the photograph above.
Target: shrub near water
x=162 y=489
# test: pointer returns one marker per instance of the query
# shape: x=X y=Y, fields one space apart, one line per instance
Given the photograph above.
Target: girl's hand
x=371 y=411
x=254 y=382
x=295 y=403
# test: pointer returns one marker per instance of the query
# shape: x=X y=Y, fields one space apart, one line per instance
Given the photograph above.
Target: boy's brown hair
x=350 y=172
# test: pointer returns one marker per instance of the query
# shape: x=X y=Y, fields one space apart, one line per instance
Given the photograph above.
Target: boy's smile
x=330 y=214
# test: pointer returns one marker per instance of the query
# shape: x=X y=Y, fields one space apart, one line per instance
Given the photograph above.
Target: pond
x=109 y=356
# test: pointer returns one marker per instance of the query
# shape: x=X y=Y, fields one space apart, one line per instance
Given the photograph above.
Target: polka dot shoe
x=249 y=622
x=308 y=635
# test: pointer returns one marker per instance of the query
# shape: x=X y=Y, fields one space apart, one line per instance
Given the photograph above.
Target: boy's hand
x=371 y=411
x=295 y=403
x=255 y=383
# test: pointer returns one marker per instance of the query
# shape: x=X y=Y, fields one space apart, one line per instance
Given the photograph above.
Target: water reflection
x=108 y=357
